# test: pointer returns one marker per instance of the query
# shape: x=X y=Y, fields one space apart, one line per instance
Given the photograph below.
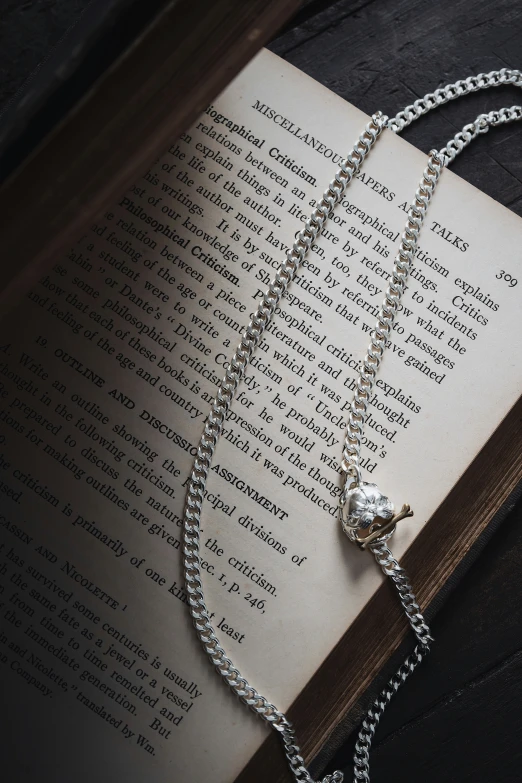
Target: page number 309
x=510 y=280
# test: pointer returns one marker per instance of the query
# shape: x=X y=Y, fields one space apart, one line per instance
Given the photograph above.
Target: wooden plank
x=385 y=56
x=142 y=104
x=478 y=728
x=341 y=681
x=394 y=56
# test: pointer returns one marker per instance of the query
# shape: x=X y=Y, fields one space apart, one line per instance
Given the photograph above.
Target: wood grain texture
x=28 y=32
x=380 y=55
x=338 y=687
x=458 y=718
x=137 y=109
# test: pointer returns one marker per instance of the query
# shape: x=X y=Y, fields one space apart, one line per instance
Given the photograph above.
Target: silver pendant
x=366 y=515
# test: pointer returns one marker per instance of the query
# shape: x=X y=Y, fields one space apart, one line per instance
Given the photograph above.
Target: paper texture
x=106 y=376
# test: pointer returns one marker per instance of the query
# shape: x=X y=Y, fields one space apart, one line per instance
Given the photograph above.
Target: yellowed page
x=106 y=373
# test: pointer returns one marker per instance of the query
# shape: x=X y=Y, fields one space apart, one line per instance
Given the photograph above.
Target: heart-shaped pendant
x=363 y=504
x=367 y=515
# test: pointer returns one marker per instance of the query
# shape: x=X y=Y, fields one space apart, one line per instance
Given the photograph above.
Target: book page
x=107 y=372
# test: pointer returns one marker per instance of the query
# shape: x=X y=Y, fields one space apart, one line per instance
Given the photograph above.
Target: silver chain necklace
x=365 y=514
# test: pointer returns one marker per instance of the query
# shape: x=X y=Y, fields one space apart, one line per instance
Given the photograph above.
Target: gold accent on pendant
x=376 y=530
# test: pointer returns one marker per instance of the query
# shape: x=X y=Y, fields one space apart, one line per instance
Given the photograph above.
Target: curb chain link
x=352 y=442
x=214 y=424
x=432 y=100
x=387 y=314
x=481 y=125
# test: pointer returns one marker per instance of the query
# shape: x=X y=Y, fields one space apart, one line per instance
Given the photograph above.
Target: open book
x=107 y=371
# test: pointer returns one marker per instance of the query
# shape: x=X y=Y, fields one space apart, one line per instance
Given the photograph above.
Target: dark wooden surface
x=459 y=719
x=333 y=703
x=460 y=716
x=173 y=67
